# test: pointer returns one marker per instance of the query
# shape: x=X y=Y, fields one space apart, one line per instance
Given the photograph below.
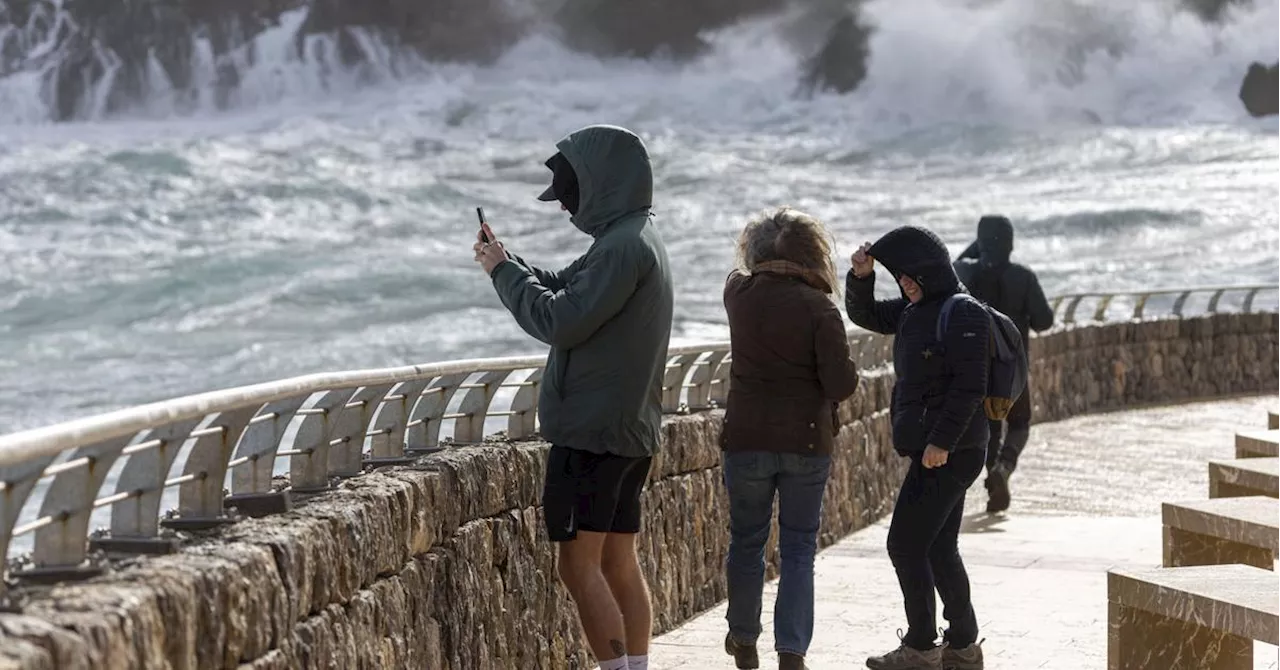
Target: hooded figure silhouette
x=1014 y=289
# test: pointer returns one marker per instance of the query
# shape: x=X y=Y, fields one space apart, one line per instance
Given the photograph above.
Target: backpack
x=1007 y=370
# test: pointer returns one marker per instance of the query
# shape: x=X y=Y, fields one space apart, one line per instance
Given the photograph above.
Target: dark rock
x=644 y=28
x=1260 y=89
x=841 y=64
x=1210 y=10
x=103 y=50
x=103 y=57
x=476 y=31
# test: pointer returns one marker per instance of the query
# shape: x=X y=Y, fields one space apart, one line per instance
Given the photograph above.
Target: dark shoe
x=744 y=655
x=962 y=658
x=787 y=661
x=997 y=489
x=907 y=658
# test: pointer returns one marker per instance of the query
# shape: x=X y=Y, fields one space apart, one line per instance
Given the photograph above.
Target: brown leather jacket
x=791 y=364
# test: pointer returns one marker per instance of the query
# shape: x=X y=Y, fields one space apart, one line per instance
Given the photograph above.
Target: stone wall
x=1112 y=367
x=442 y=565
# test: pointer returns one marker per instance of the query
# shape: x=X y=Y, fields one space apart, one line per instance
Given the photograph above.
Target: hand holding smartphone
x=484 y=226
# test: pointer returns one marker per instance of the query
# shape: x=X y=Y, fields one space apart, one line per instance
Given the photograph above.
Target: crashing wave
x=86 y=59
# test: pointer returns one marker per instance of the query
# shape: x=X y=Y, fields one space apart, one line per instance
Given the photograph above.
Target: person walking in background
x=607 y=317
x=1011 y=288
x=791 y=367
x=937 y=423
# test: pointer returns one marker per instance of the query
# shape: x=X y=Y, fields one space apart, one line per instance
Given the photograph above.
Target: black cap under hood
x=918 y=253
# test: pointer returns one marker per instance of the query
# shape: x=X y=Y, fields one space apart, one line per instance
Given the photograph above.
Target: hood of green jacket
x=615 y=178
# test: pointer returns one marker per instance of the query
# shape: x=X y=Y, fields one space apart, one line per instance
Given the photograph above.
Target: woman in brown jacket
x=790 y=369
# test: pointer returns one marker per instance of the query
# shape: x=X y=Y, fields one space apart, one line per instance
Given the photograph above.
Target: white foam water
x=325 y=220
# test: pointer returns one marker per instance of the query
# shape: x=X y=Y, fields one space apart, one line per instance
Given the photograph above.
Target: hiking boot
x=962 y=658
x=997 y=489
x=788 y=661
x=744 y=655
x=907 y=658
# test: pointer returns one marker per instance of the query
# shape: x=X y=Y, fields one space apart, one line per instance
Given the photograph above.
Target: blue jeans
x=752 y=477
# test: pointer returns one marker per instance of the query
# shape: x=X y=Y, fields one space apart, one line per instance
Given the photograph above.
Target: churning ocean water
x=322 y=227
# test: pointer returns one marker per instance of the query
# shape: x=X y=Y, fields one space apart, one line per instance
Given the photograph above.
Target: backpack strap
x=944 y=315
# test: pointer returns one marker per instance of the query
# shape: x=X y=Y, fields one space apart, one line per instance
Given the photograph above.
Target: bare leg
x=598 y=612
x=621 y=567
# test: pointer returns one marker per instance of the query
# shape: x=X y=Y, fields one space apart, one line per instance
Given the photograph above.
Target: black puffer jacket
x=940 y=385
x=1010 y=287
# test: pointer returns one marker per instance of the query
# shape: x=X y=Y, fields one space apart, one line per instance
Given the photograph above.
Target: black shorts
x=592 y=492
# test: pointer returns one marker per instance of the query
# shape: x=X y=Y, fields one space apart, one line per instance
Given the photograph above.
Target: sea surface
x=152 y=254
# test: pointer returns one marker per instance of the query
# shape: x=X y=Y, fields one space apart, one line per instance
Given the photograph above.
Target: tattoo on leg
x=618 y=648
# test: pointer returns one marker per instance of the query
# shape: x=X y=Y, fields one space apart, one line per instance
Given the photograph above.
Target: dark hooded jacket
x=607 y=316
x=1010 y=287
x=937 y=398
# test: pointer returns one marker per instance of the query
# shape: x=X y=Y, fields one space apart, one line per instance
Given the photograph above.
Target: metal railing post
x=200 y=497
x=1213 y=302
x=18 y=480
x=524 y=407
x=700 y=381
x=61 y=540
x=1141 y=305
x=135 y=521
x=474 y=408
x=386 y=436
x=1180 y=302
x=349 y=428
x=309 y=471
x=1070 y=316
x=673 y=381
x=1100 y=314
x=254 y=462
x=428 y=415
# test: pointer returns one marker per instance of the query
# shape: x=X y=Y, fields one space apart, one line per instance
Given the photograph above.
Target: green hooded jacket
x=607 y=316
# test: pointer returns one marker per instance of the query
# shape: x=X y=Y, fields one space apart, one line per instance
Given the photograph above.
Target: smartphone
x=480 y=215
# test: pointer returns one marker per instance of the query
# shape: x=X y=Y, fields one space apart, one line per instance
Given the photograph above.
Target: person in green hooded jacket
x=607 y=318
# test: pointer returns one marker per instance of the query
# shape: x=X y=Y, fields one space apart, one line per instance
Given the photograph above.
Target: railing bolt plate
x=260 y=504
x=61 y=573
x=135 y=545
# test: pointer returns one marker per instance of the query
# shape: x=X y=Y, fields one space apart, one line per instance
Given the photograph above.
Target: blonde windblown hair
x=788 y=241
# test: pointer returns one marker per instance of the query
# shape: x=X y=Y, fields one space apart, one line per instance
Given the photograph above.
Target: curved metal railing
x=1066 y=306
x=253 y=450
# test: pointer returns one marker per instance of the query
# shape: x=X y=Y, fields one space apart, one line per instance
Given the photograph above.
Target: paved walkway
x=1086 y=498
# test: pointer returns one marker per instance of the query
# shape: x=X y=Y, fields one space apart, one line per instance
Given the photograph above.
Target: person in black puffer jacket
x=938 y=423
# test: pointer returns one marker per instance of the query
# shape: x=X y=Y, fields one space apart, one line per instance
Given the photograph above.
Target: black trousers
x=1008 y=449
x=922 y=544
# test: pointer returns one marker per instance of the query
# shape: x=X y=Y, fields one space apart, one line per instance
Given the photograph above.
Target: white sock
x=638 y=662
x=619 y=663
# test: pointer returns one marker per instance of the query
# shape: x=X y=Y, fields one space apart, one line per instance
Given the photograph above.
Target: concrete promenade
x=1086 y=498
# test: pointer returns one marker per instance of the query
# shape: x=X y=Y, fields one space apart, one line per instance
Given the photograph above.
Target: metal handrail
x=121 y=465
x=253 y=450
x=1141 y=298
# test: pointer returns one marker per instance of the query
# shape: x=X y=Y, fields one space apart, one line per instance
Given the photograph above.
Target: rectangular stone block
x=1190 y=618
x=1222 y=531
x=1258 y=443
x=1140 y=640
x=1244 y=477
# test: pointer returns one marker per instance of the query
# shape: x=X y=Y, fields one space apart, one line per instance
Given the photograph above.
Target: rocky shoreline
x=99 y=57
